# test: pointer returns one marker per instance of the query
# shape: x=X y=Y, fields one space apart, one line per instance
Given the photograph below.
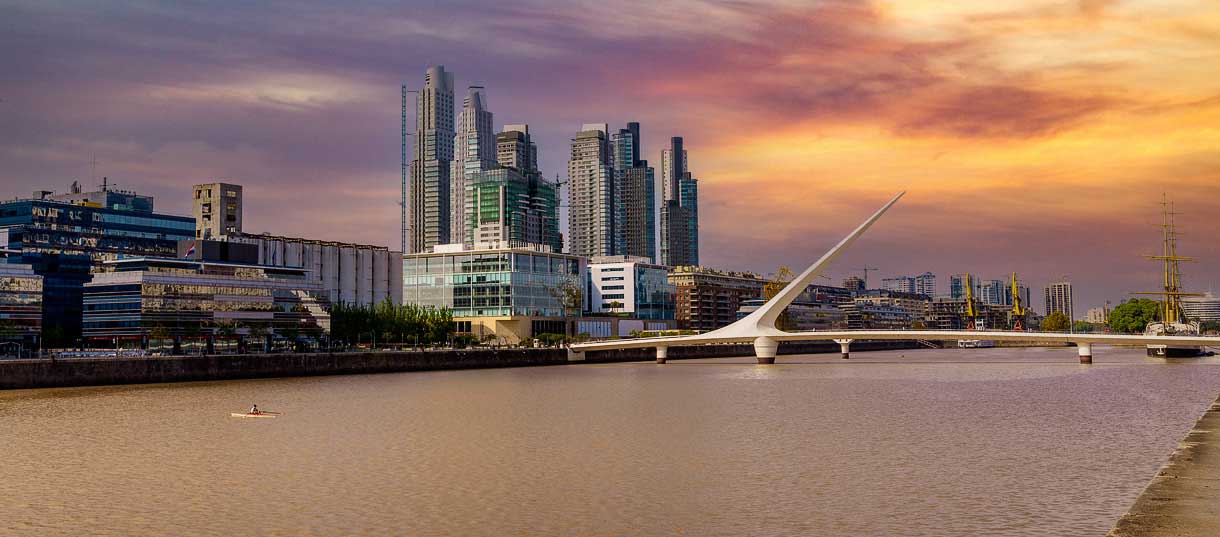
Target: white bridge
x=759 y=327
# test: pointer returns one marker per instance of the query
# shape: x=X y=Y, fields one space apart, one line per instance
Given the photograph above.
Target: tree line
x=390 y=323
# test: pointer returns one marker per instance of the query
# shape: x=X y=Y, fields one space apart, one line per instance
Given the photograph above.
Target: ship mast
x=1172 y=272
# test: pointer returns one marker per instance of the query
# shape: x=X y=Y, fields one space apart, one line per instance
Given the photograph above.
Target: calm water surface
x=933 y=442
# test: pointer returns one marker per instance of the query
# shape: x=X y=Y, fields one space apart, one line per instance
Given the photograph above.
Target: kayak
x=248 y=415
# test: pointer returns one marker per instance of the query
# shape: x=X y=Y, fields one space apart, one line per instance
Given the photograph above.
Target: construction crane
x=1018 y=311
x=866 y=269
x=971 y=312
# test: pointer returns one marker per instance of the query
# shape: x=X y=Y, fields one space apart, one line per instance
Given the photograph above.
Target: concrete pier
x=1085 y=350
x=662 y=354
x=844 y=347
x=1183 y=499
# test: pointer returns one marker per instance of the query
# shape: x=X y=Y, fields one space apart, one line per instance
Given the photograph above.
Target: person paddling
x=254 y=410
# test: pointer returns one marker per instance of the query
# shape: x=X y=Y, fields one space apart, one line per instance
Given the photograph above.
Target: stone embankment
x=1183 y=500
x=20 y=374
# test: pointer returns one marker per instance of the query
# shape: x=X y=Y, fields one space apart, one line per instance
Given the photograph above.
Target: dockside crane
x=971 y=311
x=1018 y=311
x=866 y=269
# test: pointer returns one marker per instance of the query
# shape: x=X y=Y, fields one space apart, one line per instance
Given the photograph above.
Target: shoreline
x=70 y=372
x=1183 y=498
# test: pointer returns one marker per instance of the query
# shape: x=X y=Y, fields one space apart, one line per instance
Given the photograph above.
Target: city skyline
x=1014 y=163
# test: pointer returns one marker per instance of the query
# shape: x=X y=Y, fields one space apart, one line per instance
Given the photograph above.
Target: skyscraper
x=634 y=195
x=509 y=210
x=925 y=284
x=425 y=187
x=679 y=208
x=510 y=204
x=1059 y=298
x=474 y=150
x=591 y=193
x=516 y=149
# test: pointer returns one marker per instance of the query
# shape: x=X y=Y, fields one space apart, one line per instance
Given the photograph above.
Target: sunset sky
x=1034 y=137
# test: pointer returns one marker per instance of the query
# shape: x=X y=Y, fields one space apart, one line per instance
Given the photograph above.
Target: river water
x=911 y=443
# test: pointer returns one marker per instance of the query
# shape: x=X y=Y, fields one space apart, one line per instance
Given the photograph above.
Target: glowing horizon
x=1034 y=137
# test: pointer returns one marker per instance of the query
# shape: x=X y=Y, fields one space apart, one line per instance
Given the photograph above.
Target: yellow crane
x=1018 y=311
x=971 y=312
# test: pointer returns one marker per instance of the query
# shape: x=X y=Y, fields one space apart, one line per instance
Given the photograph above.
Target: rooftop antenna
x=93 y=169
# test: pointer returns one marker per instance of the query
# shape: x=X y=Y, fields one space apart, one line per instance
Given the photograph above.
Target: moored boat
x=249 y=415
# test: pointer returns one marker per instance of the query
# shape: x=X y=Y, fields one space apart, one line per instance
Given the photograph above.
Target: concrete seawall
x=1183 y=499
x=21 y=374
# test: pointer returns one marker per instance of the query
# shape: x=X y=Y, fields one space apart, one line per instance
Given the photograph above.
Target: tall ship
x=1173 y=322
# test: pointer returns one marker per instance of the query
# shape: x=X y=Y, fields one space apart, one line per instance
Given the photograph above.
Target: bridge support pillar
x=844 y=347
x=765 y=349
x=662 y=354
x=1085 y=350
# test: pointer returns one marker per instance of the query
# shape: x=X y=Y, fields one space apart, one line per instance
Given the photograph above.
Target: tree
x=1055 y=322
x=568 y=293
x=1132 y=316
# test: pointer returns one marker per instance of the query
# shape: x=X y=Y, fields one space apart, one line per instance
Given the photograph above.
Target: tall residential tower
x=679 y=208
x=591 y=193
x=634 y=197
x=474 y=150
x=426 y=182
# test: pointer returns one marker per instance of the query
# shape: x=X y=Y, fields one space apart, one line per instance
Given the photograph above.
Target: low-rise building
x=20 y=306
x=708 y=299
x=632 y=286
x=1102 y=315
x=863 y=315
x=199 y=305
x=507 y=294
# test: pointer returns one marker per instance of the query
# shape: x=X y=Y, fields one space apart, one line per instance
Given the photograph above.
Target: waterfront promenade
x=1183 y=499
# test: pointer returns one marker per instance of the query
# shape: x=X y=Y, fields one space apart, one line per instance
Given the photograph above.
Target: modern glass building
x=511 y=292
x=64 y=242
x=20 y=307
x=633 y=286
x=505 y=208
x=188 y=303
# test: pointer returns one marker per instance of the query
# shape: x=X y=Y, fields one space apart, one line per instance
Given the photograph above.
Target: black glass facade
x=64 y=243
x=143 y=299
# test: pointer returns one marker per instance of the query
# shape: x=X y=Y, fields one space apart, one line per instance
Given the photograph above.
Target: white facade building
x=352 y=273
x=631 y=285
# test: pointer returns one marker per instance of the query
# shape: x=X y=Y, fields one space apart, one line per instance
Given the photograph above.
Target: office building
x=1059 y=298
x=630 y=285
x=20 y=306
x=1098 y=315
x=1022 y=292
x=957 y=285
x=507 y=294
x=474 y=150
x=63 y=242
x=105 y=197
x=508 y=210
x=925 y=284
x=708 y=299
x=993 y=292
x=591 y=193
x=426 y=179
x=864 y=315
x=679 y=208
x=217 y=210
x=634 y=197
x=196 y=303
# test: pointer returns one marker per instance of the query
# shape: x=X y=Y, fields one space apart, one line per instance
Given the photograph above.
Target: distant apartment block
x=708 y=299
x=1059 y=298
